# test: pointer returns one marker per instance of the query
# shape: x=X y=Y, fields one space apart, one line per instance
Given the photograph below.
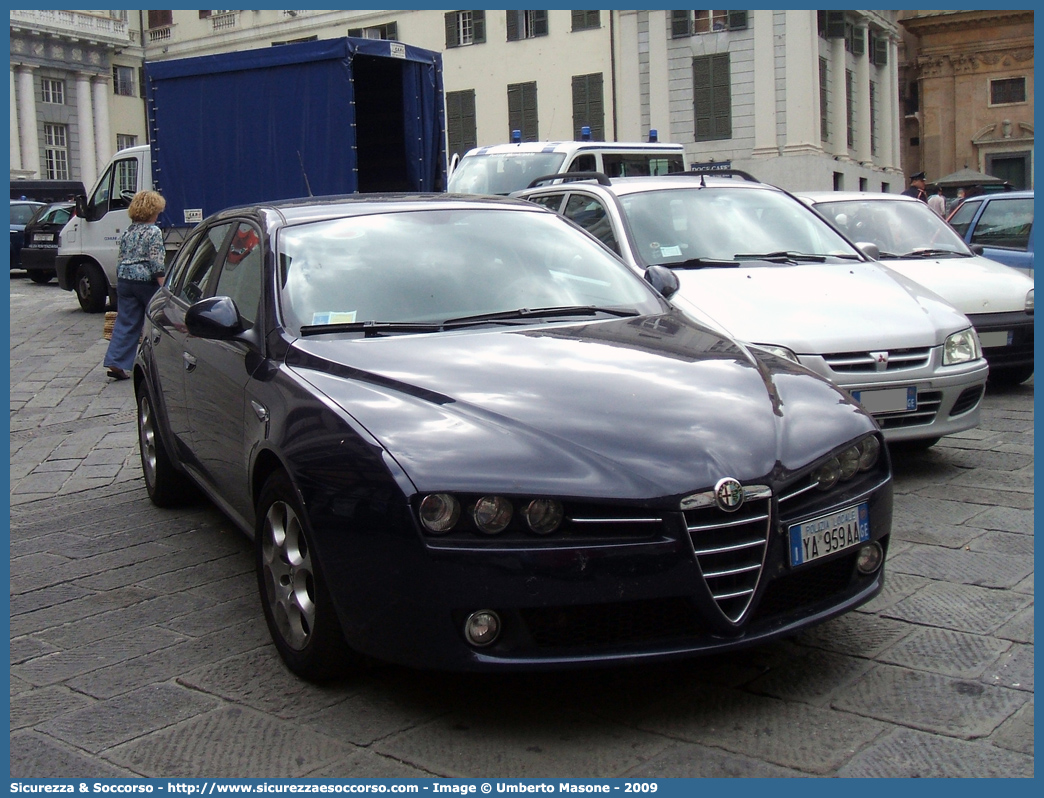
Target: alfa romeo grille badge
x=728 y=493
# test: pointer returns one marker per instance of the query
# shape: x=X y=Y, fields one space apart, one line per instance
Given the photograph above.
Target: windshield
x=690 y=224
x=896 y=227
x=502 y=173
x=431 y=266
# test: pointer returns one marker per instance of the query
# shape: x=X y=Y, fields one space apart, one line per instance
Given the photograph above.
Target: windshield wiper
x=699 y=263
x=536 y=313
x=928 y=252
x=372 y=328
x=782 y=257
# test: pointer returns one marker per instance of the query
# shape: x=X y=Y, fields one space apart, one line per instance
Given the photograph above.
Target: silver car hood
x=972 y=284
x=819 y=308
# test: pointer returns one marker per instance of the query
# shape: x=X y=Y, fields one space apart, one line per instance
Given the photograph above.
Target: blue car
x=1002 y=224
x=21 y=212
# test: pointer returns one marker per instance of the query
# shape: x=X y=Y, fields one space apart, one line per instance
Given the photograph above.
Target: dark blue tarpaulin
x=280 y=122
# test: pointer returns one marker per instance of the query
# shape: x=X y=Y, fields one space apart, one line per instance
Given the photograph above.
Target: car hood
x=819 y=308
x=972 y=284
x=641 y=408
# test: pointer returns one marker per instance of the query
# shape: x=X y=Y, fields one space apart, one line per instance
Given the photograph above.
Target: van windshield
x=502 y=173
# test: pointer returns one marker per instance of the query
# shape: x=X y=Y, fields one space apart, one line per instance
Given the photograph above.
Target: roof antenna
x=304 y=174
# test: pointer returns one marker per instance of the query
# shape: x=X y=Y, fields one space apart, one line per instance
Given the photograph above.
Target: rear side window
x=963 y=216
x=1005 y=223
x=192 y=283
x=591 y=215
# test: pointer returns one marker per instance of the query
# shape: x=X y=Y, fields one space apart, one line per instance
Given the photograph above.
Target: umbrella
x=967 y=177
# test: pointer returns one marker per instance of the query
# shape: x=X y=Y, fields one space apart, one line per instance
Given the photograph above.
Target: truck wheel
x=92 y=289
x=40 y=277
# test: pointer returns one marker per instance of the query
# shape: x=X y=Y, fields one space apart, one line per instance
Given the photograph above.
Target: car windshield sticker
x=669 y=252
x=334 y=317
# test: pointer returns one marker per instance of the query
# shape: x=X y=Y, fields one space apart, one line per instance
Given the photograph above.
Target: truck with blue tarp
x=335 y=116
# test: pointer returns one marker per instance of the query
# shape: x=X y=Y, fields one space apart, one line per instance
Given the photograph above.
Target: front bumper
x=1007 y=338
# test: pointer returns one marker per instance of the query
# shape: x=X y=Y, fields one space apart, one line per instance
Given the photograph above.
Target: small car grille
x=619 y=623
x=865 y=362
x=806 y=587
x=928 y=403
x=967 y=400
x=730 y=550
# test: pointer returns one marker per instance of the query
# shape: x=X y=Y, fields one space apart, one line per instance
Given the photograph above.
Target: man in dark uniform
x=917 y=188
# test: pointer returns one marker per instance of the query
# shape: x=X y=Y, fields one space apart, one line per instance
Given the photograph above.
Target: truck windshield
x=502 y=173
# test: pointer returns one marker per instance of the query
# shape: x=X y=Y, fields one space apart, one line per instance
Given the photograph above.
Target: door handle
x=190 y=361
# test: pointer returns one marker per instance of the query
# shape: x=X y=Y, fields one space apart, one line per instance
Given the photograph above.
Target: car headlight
x=779 y=351
x=491 y=514
x=1029 y=302
x=439 y=513
x=961 y=347
x=860 y=457
x=543 y=516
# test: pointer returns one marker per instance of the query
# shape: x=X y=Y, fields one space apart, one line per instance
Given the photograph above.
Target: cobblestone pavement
x=138 y=646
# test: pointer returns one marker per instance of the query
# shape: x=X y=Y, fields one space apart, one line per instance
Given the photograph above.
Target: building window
x=1007 y=91
x=692 y=23
x=125 y=140
x=712 y=97
x=588 y=106
x=877 y=49
x=160 y=19
x=461 y=132
x=522 y=110
x=53 y=91
x=465 y=27
x=123 y=81
x=873 y=118
x=389 y=32
x=824 y=108
x=56 y=152
x=526 y=24
x=850 y=106
x=831 y=24
x=586 y=20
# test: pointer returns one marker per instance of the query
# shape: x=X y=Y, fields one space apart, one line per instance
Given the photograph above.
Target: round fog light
x=870 y=558
x=482 y=627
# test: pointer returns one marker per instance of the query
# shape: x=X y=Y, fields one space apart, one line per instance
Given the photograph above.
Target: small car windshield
x=898 y=228
x=431 y=266
x=703 y=225
x=502 y=173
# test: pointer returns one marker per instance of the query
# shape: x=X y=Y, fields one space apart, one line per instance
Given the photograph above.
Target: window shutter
x=141 y=82
x=205 y=14
x=391 y=31
x=540 y=23
x=858 y=42
x=451 y=29
x=530 y=128
x=835 y=24
x=588 y=105
x=681 y=24
x=478 y=26
x=712 y=97
x=578 y=18
x=159 y=19
x=512 y=25
x=737 y=20
x=880 y=51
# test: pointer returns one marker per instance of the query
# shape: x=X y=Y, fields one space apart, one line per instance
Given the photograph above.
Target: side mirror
x=81 y=205
x=978 y=249
x=215 y=318
x=663 y=280
x=870 y=250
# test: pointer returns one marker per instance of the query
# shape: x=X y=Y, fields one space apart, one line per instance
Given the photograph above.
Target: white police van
x=504 y=168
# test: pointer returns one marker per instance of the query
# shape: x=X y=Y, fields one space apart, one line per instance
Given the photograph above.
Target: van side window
x=121 y=176
x=583 y=163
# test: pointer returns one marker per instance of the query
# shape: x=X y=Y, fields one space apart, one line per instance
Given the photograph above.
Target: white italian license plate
x=887 y=400
x=821 y=536
x=996 y=338
x=43 y=237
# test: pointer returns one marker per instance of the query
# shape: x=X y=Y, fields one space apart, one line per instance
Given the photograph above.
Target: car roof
x=850 y=196
x=636 y=185
x=1001 y=195
x=576 y=146
x=314 y=209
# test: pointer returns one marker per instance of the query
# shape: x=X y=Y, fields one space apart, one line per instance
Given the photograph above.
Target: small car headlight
x=1029 y=302
x=961 y=347
x=869 y=451
x=849 y=461
x=543 y=516
x=439 y=513
x=827 y=475
x=492 y=514
x=779 y=351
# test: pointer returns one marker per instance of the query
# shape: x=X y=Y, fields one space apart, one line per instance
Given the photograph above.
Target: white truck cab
x=505 y=168
x=87 y=245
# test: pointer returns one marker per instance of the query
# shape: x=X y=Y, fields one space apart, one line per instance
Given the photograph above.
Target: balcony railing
x=225 y=21
x=74 y=24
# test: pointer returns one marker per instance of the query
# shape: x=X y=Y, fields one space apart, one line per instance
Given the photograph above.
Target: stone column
x=765 y=142
x=838 y=100
x=861 y=98
x=659 y=93
x=898 y=121
x=85 y=117
x=16 y=150
x=102 y=135
x=28 y=133
x=802 y=70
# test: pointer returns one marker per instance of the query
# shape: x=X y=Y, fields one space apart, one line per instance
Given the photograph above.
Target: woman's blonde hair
x=145 y=205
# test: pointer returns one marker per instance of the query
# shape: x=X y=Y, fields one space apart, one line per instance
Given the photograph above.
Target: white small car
x=756 y=262
x=913 y=240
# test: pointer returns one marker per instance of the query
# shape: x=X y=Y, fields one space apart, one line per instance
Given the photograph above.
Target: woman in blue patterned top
x=139 y=273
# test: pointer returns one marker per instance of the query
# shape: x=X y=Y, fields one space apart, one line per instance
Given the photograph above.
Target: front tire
x=167 y=486
x=294 y=596
x=92 y=289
